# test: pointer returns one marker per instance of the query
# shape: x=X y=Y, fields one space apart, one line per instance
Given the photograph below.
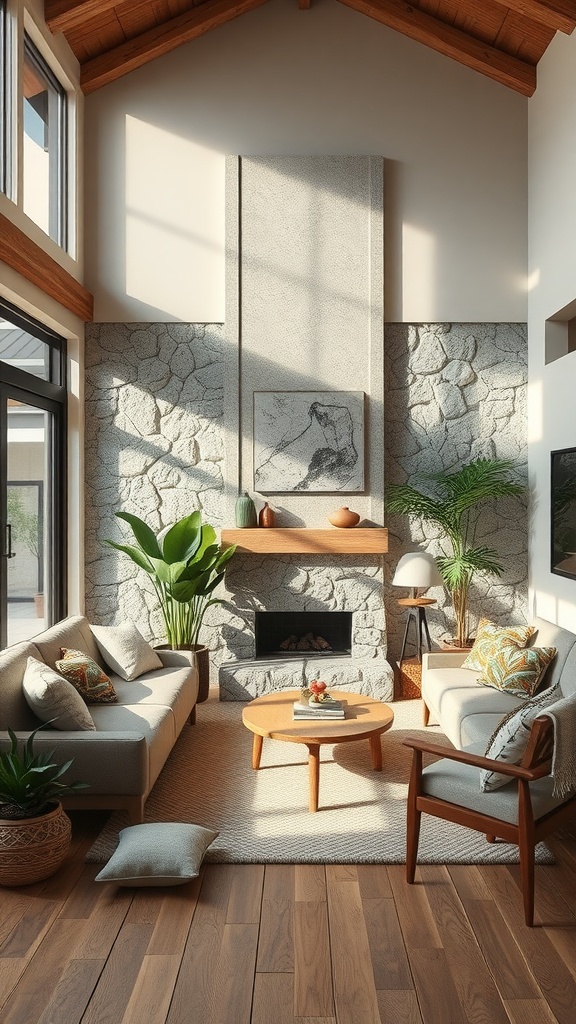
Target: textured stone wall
x=284 y=583
x=154 y=446
x=456 y=392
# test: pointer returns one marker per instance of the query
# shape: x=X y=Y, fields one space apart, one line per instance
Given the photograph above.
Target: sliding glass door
x=32 y=484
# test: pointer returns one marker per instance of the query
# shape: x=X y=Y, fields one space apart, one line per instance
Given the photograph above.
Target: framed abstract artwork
x=308 y=441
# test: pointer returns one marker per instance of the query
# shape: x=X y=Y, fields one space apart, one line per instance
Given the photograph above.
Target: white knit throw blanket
x=563 y=715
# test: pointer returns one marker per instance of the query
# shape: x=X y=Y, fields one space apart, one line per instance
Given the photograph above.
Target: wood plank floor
x=291 y=944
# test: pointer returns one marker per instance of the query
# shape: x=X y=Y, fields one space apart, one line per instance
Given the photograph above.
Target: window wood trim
x=18 y=251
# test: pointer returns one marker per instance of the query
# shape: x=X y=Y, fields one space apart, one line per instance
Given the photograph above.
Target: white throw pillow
x=125 y=650
x=50 y=696
x=159 y=853
x=509 y=741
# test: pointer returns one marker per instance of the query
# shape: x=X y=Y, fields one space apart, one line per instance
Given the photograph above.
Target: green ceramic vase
x=245 y=512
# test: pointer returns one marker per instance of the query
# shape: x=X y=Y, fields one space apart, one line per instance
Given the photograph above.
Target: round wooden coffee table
x=271 y=717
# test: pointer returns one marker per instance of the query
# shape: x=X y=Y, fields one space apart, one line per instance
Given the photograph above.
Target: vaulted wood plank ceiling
x=503 y=39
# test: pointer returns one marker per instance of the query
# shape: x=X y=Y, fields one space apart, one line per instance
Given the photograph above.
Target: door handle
x=8 y=552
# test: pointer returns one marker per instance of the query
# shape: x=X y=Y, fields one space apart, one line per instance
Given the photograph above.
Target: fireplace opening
x=303 y=634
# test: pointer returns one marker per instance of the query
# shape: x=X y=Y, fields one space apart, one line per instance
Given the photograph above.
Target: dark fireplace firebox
x=303 y=634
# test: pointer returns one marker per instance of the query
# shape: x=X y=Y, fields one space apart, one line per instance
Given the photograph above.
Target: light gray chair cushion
x=460 y=784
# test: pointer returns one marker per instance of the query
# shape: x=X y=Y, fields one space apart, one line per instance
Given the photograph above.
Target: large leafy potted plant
x=35 y=831
x=186 y=564
x=455 y=507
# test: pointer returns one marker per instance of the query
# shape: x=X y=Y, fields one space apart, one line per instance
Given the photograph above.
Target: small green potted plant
x=35 y=831
x=185 y=564
x=455 y=508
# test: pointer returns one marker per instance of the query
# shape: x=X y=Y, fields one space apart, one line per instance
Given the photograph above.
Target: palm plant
x=30 y=783
x=185 y=564
x=455 y=508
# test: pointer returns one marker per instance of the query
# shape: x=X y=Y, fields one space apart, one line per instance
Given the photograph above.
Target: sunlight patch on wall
x=533 y=280
x=418 y=271
x=556 y=609
x=174 y=222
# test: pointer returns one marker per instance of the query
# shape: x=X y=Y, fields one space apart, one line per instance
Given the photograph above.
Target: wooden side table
x=417 y=614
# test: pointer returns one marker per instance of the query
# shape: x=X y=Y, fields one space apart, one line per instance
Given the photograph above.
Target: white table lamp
x=416 y=570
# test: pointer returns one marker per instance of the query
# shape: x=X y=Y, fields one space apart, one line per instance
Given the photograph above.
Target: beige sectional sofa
x=467 y=712
x=122 y=758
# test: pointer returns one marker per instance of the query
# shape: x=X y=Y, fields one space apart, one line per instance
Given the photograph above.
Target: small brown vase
x=266 y=516
x=343 y=517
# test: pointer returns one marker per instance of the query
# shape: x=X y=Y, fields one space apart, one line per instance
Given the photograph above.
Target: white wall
x=552 y=260
x=281 y=81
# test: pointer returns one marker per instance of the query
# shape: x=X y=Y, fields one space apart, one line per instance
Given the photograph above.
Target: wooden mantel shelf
x=266 y=541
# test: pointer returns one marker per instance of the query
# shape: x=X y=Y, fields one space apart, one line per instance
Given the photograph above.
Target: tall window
x=32 y=476
x=45 y=145
x=3 y=99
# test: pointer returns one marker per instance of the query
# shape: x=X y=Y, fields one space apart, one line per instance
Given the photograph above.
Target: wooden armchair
x=521 y=813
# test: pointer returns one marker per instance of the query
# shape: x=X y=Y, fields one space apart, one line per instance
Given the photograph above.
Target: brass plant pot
x=32 y=849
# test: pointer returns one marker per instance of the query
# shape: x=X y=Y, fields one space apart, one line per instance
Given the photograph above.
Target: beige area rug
x=262 y=816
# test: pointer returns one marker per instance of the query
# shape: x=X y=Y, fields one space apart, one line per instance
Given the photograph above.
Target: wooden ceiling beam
x=162 y=39
x=63 y=15
x=559 y=15
x=410 y=21
x=18 y=251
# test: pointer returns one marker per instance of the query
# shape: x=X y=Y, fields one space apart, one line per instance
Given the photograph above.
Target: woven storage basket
x=33 y=848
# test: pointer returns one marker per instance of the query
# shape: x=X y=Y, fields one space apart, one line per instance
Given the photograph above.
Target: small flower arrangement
x=316 y=693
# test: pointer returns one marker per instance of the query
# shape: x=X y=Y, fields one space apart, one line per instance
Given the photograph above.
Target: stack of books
x=324 y=709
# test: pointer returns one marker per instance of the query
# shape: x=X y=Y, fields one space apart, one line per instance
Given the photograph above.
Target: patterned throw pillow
x=517 y=671
x=490 y=639
x=91 y=682
x=509 y=741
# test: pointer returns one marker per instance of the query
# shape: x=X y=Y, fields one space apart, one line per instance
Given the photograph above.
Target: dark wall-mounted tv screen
x=563 y=512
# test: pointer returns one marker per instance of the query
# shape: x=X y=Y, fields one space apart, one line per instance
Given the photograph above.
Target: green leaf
x=225 y=556
x=182 y=540
x=185 y=590
x=143 y=534
x=135 y=554
x=212 y=586
x=161 y=569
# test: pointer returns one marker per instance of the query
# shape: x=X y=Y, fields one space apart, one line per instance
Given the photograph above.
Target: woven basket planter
x=33 y=848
